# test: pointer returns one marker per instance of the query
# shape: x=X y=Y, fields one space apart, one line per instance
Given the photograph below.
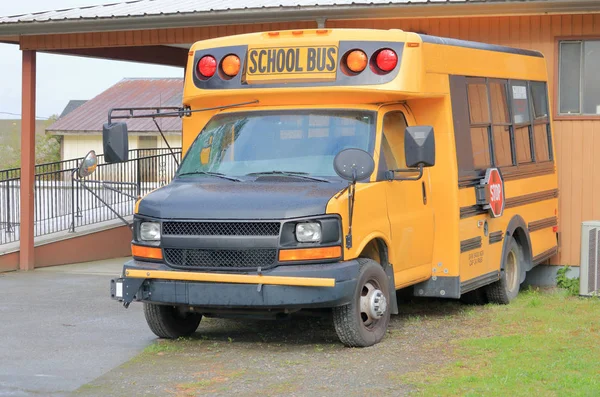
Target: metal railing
x=61 y=203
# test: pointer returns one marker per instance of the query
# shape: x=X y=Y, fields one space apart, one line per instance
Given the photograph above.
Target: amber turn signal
x=308 y=254
x=140 y=251
x=231 y=65
x=356 y=61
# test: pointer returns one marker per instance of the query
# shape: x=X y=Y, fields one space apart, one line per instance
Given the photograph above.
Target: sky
x=61 y=78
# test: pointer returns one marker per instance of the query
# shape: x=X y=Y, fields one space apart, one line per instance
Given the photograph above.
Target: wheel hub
x=378 y=304
x=373 y=303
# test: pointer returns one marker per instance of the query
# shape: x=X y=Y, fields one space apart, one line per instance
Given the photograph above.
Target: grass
x=164 y=346
x=544 y=343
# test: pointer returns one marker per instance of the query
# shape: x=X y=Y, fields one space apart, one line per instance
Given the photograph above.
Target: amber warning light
x=231 y=65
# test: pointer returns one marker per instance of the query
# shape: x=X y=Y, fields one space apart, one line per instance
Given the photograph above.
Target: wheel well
x=377 y=250
x=521 y=237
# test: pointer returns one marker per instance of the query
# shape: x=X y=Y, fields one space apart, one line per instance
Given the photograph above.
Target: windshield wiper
x=303 y=175
x=217 y=174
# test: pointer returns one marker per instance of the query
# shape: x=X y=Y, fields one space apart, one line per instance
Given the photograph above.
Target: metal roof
x=89 y=117
x=72 y=105
x=150 y=14
x=169 y=7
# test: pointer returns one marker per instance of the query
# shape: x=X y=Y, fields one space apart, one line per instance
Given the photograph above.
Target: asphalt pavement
x=59 y=329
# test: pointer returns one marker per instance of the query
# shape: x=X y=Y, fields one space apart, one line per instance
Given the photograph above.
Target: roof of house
x=171 y=13
x=90 y=116
x=72 y=105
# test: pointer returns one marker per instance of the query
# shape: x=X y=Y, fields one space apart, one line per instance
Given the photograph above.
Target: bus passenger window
x=394 y=125
x=479 y=115
x=522 y=122
x=523 y=144
x=500 y=124
x=481 y=147
x=541 y=122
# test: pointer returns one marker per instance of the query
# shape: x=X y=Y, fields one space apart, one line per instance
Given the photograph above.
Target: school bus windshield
x=294 y=140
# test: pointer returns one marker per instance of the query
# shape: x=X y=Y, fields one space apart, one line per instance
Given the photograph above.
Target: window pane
x=502 y=148
x=394 y=125
x=478 y=103
x=540 y=100
x=569 y=77
x=301 y=140
x=499 y=103
x=481 y=148
x=591 y=77
x=523 y=145
x=520 y=103
x=540 y=135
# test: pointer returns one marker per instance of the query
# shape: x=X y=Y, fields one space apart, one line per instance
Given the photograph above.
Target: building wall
x=576 y=138
x=75 y=146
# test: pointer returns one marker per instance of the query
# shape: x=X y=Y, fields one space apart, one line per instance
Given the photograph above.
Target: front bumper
x=283 y=287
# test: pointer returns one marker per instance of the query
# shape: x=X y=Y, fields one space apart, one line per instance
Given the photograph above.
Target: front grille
x=249 y=258
x=221 y=228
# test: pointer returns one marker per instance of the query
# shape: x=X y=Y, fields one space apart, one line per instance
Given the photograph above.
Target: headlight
x=308 y=232
x=150 y=231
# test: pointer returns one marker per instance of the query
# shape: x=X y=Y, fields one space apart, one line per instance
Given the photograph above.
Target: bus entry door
x=410 y=214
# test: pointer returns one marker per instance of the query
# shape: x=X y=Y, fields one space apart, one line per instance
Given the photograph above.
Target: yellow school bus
x=326 y=169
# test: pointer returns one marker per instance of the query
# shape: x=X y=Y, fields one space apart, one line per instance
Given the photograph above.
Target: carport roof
x=173 y=13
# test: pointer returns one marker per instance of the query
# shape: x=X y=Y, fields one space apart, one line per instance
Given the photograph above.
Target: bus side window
x=479 y=115
x=394 y=125
x=541 y=122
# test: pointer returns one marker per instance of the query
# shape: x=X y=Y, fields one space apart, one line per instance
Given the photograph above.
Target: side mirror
x=115 y=142
x=88 y=165
x=419 y=146
x=353 y=165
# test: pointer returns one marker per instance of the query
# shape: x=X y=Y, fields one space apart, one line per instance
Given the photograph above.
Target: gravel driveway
x=301 y=357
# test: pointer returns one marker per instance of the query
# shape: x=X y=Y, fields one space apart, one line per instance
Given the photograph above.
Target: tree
x=47 y=147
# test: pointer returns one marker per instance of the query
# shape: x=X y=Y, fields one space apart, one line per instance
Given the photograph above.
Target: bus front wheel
x=169 y=322
x=507 y=288
x=364 y=321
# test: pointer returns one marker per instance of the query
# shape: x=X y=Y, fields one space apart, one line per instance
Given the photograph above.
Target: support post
x=27 y=260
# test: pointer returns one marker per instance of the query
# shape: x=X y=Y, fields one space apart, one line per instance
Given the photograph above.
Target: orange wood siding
x=149 y=37
x=576 y=140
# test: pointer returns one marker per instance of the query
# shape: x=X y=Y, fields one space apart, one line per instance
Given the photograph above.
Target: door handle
x=424 y=193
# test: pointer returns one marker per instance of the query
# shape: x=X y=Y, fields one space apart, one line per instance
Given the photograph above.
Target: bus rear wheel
x=506 y=289
x=169 y=322
x=364 y=321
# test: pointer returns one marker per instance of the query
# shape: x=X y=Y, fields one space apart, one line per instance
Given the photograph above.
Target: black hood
x=210 y=199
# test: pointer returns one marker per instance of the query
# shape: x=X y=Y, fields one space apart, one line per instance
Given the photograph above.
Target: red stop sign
x=494 y=192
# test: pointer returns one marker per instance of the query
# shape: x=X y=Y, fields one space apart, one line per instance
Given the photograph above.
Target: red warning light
x=207 y=66
x=386 y=60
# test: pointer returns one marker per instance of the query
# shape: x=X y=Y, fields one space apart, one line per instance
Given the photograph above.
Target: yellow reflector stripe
x=146 y=252
x=305 y=254
x=232 y=278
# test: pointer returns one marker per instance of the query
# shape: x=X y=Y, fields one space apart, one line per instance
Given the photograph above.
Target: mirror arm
x=131 y=196
x=390 y=174
x=101 y=200
x=166 y=142
x=351 y=196
x=105 y=203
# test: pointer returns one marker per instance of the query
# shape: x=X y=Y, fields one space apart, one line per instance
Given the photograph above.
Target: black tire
x=506 y=289
x=356 y=327
x=169 y=323
x=475 y=297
